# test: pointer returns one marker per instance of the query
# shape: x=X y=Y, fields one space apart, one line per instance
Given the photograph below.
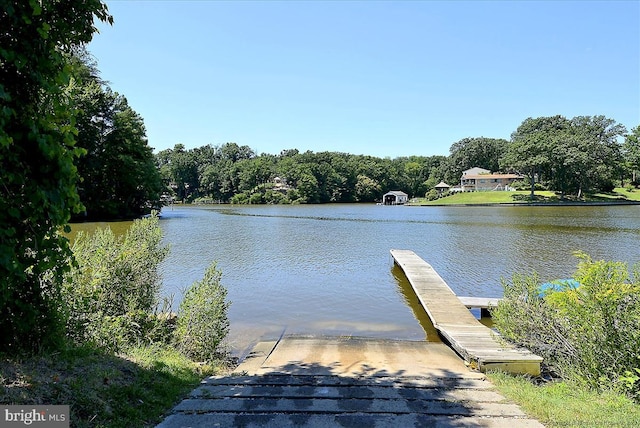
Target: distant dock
x=476 y=343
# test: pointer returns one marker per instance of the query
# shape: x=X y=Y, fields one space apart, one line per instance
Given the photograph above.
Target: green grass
x=522 y=197
x=104 y=390
x=561 y=404
x=633 y=195
x=471 y=198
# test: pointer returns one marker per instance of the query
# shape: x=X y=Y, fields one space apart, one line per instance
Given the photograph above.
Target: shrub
x=590 y=333
x=113 y=288
x=432 y=195
x=202 y=321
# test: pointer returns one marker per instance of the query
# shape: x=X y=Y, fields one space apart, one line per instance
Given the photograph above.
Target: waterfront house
x=395 y=197
x=482 y=179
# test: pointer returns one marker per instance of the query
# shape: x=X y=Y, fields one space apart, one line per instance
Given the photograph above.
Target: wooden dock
x=482 y=303
x=476 y=343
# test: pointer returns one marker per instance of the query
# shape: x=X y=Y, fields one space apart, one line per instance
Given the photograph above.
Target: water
x=326 y=269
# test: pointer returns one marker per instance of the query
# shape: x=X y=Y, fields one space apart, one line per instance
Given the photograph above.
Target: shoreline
x=530 y=204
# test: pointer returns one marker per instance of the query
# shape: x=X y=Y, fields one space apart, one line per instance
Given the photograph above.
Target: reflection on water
x=326 y=269
x=118 y=228
x=411 y=299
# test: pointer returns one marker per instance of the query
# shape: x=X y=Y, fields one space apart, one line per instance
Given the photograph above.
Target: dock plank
x=476 y=343
x=479 y=302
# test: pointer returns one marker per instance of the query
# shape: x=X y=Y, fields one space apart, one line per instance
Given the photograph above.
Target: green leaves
x=38 y=192
x=115 y=285
x=119 y=175
x=202 y=319
x=588 y=333
x=573 y=156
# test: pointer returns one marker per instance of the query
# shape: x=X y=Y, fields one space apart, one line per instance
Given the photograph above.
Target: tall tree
x=596 y=161
x=631 y=150
x=37 y=153
x=577 y=155
x=529 y=150
x=118 y=171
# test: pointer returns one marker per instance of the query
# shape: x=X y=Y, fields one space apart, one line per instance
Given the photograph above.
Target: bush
x=114 y=286
x=202 y=319
x=432 y=195
x=590 y=333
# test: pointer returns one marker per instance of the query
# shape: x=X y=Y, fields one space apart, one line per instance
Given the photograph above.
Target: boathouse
x=395 y=197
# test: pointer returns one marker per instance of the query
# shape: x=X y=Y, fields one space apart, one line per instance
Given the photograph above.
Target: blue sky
x=385 y=79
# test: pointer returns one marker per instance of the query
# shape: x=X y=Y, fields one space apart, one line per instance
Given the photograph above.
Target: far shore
x=619 y=196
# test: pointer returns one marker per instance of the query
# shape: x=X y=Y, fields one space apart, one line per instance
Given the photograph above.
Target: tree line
x=571 y=156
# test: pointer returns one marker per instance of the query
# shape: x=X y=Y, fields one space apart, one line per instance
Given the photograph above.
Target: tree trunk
x=533 y=186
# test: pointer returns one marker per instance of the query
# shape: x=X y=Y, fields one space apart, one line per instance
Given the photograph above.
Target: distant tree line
x=571 y=156
x=233 y=173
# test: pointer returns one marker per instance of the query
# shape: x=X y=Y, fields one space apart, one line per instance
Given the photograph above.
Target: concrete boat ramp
x=300 y=381
x=348 y=382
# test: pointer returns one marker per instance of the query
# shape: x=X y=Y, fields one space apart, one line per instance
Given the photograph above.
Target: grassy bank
x=522 y=197
x=104 y=390
x=561 y=404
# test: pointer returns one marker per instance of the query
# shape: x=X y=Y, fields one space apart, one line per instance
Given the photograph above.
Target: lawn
x=632 y=195
x=522 y=197
x=475 y=198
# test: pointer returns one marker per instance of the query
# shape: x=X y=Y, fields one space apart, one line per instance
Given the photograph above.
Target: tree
x=179 y=168
x=596 y=159
x=118 y=171
x=631 y=150
x=413 y=174
x=574 y=155
x=529 y=150
x=367 y=189
x=37 y=153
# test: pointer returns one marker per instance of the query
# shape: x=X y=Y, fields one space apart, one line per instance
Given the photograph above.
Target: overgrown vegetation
x=37 y=154
x=113 y=292
x=202 y=323
x=127 y=359
x=588 y=334
x=113 y=302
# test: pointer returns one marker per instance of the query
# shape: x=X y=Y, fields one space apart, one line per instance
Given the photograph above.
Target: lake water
x=326 y=269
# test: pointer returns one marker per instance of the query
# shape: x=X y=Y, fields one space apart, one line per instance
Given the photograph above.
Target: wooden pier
x=482 y=303
x=476 y=343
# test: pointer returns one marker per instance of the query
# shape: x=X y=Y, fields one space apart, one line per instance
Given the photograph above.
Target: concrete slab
x=351 y=356
x=357 y=382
